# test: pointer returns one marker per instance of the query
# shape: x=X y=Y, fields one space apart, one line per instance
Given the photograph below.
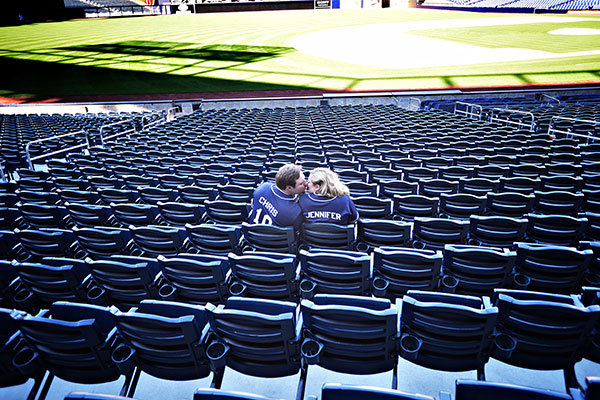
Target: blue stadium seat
x=153 y=240
x=336 y=391
x=461 y=205
x=372 y=233
x=101 y=242
x=478 y=186
x=435 y=233
x=373 y=207
x=127 y=214
x=549 y=268
x=351 y=334
x=194 y=278
x=270 y=238
x=474 y=390
x=264 y=275
x=226 y=212
x=447 y=332
x=326 y=235
x=334 y=272
x=125 y=280
x=397 y=270
x=560 y=230
x=75 y=343
x=167 y=340
x=509 y=204
x=153 y=195
x=475 y=270
x=542 y=331
x=213 y=239
x=257 y=337
x=411 y=206
x=37 y=244
x=558 y=203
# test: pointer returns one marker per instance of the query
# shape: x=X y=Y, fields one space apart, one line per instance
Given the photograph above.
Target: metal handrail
x=508 y=121
x=102 y=138
x=28 y=145
x=155 y=121
x=551 y=98
x=552 y=130
x=469 y=110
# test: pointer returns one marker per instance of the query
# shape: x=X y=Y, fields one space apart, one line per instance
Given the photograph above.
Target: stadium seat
x=364 y=343
x=461 y=205
x=434 y=233
x=560 y=230
x=167 y=340
x=447 y=332
x=410 y=207
x=372 y=233
x=75 y=343
x=327 y=236
x=509 y=204
x=373 y=207
x=226 y=212
x=269 y=238
x=525 y=334
x=496 y=231
x=213 y=239
x=398 y=270
x=473 y=390
x=264 y=275
x=154 y=240
x=476 y=270
x=558 y=203
x=238 y=324
x=127 y=214
x=334 y=272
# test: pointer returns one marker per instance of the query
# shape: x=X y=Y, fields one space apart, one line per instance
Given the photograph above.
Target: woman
x=327 y=199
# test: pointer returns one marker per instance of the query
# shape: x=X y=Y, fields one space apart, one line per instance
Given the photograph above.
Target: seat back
x=327 y=235
x=271 y=238
x=476 y=270
x=214 y=239
x=411 y=206
x=336 y=391
x=350 y=334
x=496 y=231
x=195 y=279
x=541 y=330
x=548 y=268
x=374 y=208
x=169 y=339
x=74 y=344
x=555 y=229
x=153 y=240
x=103 y=242
x=256 y=337
x=227 y=212
x=127 y=280
x=558 y=202
x=509 y=204
x=46 y=243
x=374 y=233
x=179 y=214
x=128 y=214
x=435 y=233
x=474 y=390
x=335 y=272
x=264 y=275
x=447 y=332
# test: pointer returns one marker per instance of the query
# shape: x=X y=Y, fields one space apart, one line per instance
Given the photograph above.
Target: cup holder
x=504 y=345
x=24 y=357
x=449 y=284
x=362 y=247
x=380 y=286
x=123 y=357
x=96 y=294
x=592 y=279
x=307 y=289
x=410 y=346
x=167 y=292
x=22 y=296
x=419 y=245
x=474 y=242
x=521 y=281
x=311 y=351
x=216 y=353
x=237 y=289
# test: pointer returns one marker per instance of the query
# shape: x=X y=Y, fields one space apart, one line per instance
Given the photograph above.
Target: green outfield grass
x=253 y=51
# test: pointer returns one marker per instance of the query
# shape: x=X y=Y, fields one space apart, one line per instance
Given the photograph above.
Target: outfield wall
x=250 y=6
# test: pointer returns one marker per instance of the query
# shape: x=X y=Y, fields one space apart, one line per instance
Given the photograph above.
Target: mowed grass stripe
x=235 y=51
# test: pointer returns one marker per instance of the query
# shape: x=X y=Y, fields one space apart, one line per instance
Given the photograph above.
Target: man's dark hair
x=287 y=176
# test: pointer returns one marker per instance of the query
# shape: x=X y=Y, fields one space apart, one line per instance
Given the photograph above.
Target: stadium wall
x=514 y=10
x=252 y=6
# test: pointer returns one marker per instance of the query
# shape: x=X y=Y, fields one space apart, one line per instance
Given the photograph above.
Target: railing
x=550 y=99
x=30 y=160
x=553 y=130
x=132 y=121
x=495 y=118
x=471 y=110
x=104 y=127
x=120 y=11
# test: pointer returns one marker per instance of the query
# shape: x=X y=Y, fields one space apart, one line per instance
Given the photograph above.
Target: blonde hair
x=329 y=182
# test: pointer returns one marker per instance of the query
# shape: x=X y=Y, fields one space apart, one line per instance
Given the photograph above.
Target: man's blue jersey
x=272 y=206
x=338 y=210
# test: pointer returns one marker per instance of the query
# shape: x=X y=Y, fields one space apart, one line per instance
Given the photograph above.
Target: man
x=275 y=204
